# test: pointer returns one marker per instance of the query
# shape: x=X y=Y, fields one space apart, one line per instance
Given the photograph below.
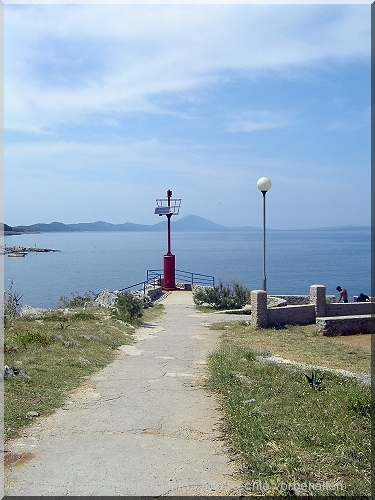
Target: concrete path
x=141 y=426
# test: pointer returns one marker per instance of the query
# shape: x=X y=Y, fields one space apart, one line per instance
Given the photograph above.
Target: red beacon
x=168 y=206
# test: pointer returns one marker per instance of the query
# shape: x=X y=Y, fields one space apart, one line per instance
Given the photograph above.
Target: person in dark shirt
x=363 y=298
x=343 y=294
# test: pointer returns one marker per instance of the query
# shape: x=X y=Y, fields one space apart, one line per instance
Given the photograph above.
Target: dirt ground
x=363 y=341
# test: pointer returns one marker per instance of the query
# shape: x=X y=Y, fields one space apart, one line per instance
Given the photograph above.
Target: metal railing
x=183 y=276
x=155 y=277
x=144 y=284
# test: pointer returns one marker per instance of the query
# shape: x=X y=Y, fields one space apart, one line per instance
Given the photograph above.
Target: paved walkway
x=141 y=426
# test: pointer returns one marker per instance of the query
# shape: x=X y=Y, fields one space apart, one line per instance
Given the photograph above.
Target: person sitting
x=343 y=294
x=363 y=298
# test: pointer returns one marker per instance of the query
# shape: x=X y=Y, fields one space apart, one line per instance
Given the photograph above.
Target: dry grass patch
x=53 y=355
x=287 y=438
x=303 y=345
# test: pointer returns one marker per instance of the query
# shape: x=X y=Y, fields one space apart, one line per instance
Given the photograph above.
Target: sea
x=94 y=261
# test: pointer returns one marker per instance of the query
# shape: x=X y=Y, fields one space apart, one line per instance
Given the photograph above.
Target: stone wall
x=345 y=325
x=292 y=315
x=349 y=309
x=330 y=317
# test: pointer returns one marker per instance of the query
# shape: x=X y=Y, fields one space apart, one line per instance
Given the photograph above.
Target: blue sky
x=108 y=106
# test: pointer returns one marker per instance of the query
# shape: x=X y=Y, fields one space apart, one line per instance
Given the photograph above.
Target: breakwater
x=22 y=250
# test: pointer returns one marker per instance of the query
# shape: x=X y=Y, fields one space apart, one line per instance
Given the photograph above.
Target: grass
x=301 y=344
x=286 y=437
x=58 y=354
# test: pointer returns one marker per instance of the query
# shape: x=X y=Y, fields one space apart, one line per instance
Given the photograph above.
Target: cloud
x=252 y=121
x=65 y=63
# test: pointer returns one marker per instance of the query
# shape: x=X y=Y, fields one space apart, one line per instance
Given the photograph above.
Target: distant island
x=8 y=230
x=189 y=223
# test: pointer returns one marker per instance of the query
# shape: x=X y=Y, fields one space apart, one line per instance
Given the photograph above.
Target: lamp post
x=264 y=185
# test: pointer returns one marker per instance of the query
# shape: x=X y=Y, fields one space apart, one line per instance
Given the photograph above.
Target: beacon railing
x=182 y=276
x=155 y=276
x=144 y=285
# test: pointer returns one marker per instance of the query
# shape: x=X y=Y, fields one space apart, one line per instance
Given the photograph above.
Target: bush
x=128 y=307
x=222 y=296
x=77 y=300
x=25 y=338
x=10 y=305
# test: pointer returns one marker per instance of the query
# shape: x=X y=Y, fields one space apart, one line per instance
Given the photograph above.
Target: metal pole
x=264 y=242
x=169 y=194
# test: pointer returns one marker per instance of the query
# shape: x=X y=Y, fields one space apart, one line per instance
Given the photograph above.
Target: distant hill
x=188 y=223
x=9 y=230
x=194 y=223
x=59 y=227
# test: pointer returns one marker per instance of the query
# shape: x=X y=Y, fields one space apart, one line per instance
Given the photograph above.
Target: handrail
x=144 y=283
x=154 y=278
x=193 y=278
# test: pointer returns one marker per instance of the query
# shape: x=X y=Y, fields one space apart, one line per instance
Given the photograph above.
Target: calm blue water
x=94 y=261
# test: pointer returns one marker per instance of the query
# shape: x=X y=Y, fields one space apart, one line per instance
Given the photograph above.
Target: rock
x=8 y=372
x=70 y=343
x=106 y=299
x=32 y=414
x=33 y=312
x=89 y=337
x=83 y=361
x=16 y=370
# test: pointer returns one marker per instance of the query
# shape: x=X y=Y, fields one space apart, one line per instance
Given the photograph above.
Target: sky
x=109 y=106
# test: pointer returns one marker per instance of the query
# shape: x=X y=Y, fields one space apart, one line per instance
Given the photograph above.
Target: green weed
x=281 y=432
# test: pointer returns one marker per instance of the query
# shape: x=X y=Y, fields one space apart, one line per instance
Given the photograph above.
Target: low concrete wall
x=345 y=325
x=350 y=317
x=348 y=309
x=154 y=292
x=292 y=315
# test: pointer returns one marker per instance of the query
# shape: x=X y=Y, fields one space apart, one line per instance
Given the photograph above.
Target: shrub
x=10 y=305
x=128 y=307
x=24 y=338
x=222 y=296
x=77 y=300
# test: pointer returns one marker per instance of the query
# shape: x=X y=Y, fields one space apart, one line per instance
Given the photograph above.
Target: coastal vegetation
x=222 y=296
x=48 y=356
x=128 y=307
x=287 y=438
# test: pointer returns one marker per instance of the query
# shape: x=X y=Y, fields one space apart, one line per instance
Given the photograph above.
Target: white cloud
x=259 y=120
x=64 y=63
